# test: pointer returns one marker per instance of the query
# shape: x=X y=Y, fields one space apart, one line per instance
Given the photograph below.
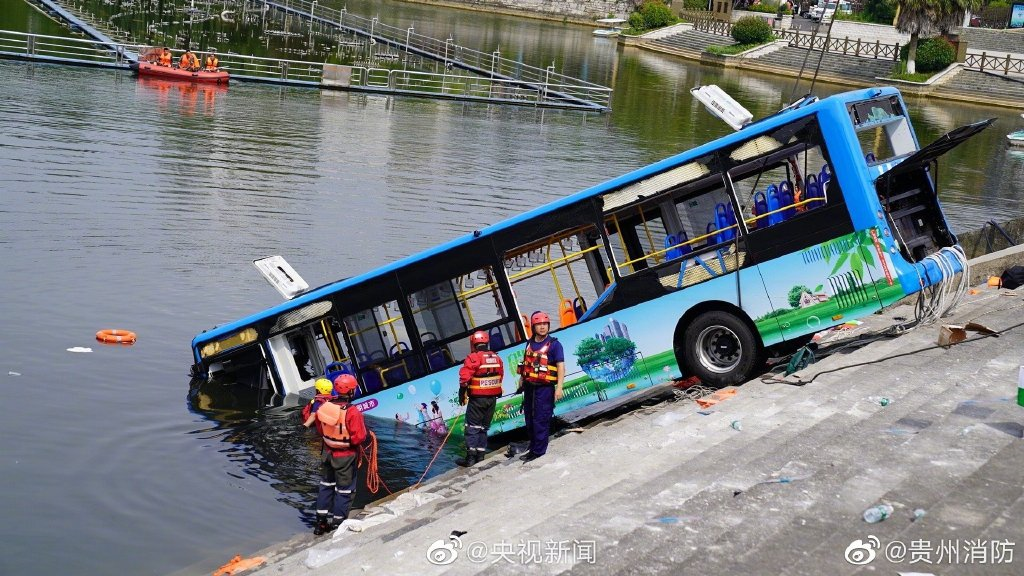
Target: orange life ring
x=113 y=336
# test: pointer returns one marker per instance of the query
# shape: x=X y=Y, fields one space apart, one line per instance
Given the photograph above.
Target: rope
x=373 y=479
x=439 y=448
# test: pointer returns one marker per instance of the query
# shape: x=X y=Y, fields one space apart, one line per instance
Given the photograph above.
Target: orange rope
x=439 y=448
x=373 y=479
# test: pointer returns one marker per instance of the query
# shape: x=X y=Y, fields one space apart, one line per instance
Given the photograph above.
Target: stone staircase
x=693 y=41
x=974 y=83
x=832 y=64
x=669 y=490
x=986 y=40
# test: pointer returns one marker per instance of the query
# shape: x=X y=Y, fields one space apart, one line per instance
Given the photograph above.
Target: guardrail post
x=494 y=60
x=1006 y=67
x=896 y=52
x=877 y=47
x=284 y=70
x=983 y=55
x=30 y=45
x=856 y=49
x=341 y=16
x=408 y=36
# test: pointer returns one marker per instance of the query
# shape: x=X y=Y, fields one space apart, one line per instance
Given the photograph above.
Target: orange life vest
x=331 y=417
x=535 y=368
x=486 y=381
x=165 y=59
x=211 y=62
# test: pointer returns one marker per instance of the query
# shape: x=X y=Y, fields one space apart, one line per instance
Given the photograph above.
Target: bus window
x=381 y=346
x=446 y=314
x=561 y=275
x=882 y=129
x=782 y=175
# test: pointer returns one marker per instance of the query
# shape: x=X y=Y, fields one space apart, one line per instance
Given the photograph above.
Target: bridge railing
x=443 y=50
x=450 y=83
x=43 y=47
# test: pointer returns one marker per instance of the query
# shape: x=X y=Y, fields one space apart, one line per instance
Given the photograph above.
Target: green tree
x=589 y=351
x=929 y=18
x=880 y=11
x=618 y=347
x=794 y=295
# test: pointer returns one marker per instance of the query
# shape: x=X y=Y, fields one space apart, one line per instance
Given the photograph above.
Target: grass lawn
x=733 y=49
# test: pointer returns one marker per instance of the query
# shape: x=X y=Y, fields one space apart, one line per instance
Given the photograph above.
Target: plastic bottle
x=736 y=425
x=877 y=513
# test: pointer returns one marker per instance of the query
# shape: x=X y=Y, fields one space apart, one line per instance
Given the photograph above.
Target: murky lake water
x=141 y=205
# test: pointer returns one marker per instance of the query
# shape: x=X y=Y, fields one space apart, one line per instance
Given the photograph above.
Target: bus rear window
x=883 y=130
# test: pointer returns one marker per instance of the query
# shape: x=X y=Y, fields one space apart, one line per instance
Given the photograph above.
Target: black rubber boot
x=469 y=460
x=322 y=526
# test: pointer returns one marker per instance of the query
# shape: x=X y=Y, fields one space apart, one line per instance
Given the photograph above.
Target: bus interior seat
x=870 y=157
x=824 y=176
x=438 y=359
x=673 y=253
x=335 y=369
x=566 y=313
x=786 y=199
x=706 y=266
x=712 y=239
x=526 y=325
x=497 y=338
x=579 y=305
x=725 y=220
x=398 y=349
x=774 y=204
x=372 y=381
x=760 y=207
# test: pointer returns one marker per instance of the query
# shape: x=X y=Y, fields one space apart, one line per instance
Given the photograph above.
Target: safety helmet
x=479 y=337
x=323 y=386
x=345 y=384
x=539 y=318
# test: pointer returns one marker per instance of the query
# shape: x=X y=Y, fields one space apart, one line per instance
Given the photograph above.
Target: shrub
x=880 y=11
x=933 y=54
x=695 y=5
x=751 y=30
x=650 y=15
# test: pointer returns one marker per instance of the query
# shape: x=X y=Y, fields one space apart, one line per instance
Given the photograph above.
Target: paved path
x=669 y=490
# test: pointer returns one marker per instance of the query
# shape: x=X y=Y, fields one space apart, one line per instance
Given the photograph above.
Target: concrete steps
x=973 y=83
x=832 y=64
x=694 y=40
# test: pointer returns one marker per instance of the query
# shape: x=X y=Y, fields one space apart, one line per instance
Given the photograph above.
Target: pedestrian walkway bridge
x=556 y=87
x=470 y=76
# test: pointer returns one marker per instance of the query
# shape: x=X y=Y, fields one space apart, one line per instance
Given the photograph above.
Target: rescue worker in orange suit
x=541 y=376
x=342 y=429
x=166 y=59
x=212 y=62
x=188 y=61
x=479 y=387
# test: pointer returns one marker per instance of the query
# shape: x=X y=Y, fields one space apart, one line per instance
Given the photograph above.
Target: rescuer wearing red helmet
x=479 y=386
x=342 y=429
x=540 y=378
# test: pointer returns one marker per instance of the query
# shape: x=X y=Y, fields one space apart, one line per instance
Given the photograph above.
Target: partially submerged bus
x=698 y=265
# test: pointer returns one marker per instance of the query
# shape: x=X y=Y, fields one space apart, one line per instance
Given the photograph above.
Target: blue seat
x=497 y=338
x=774 y=203
x=335 y=369
x=371 y=381
x=712 y=240
x=579 y=305
x=760 y=207
x=824 y=176
x=436 y=359
x=870 y=157
x=786 y=200
x=673 y=253
x=725 y=220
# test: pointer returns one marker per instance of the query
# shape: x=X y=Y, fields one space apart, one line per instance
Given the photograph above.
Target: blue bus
x=702 y=264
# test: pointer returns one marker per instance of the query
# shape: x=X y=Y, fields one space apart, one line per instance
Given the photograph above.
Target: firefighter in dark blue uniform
x=540 y=378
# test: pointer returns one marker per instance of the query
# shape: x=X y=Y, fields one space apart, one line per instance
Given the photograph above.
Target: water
x=140 y=205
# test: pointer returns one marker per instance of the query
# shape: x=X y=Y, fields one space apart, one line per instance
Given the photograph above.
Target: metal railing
x=1005 y=64
x=449 y=52
x=814 y=41
x=447 y=84
x=61 y=49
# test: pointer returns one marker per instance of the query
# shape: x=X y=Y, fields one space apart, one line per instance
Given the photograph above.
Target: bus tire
x=720 y=349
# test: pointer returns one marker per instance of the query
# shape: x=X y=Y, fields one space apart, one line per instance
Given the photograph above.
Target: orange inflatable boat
x=151 y=70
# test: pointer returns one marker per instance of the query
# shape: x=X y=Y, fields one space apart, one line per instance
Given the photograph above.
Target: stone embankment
x=773 y=480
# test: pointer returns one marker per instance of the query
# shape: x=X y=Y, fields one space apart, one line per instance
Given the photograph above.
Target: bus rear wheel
x=720 y=349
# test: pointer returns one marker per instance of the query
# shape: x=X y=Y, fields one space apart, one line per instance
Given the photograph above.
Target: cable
x=900 y=355
x=439 y=448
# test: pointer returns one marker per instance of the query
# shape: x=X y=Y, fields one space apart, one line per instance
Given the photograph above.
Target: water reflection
x=188 y=98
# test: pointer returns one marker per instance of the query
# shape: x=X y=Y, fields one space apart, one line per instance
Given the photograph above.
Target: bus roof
x=591 y=192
